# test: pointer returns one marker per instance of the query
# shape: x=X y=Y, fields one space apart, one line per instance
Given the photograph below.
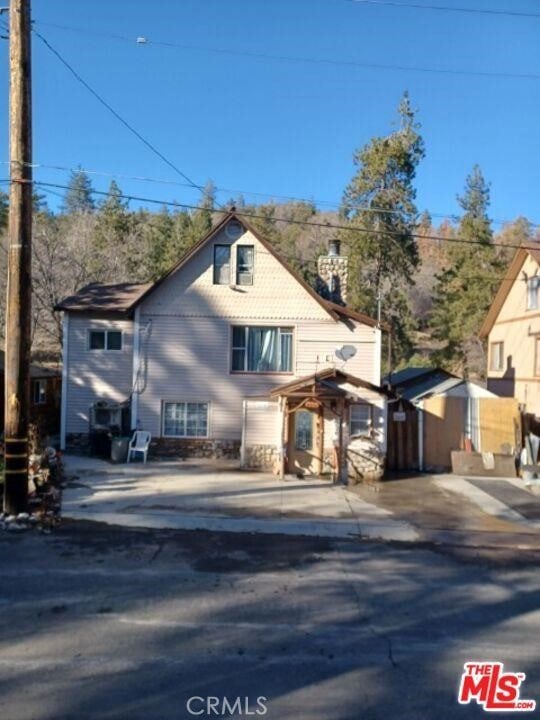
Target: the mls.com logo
x=486 y=683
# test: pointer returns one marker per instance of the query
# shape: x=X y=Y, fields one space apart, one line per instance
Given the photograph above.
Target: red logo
x=486 y=683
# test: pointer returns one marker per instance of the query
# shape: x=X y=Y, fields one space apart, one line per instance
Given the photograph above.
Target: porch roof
x=326 y=382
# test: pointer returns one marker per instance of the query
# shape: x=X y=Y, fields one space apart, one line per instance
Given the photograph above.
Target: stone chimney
x=333 y=274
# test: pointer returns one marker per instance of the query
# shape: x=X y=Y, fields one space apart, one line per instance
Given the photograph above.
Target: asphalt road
x=99 y=623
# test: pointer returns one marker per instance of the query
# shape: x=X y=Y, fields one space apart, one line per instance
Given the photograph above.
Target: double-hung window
x=104 y=340
x=244 y=264
x=185 y=419
x=533 y=286
x=360 y=420
x=262 y=349
x=222 y=264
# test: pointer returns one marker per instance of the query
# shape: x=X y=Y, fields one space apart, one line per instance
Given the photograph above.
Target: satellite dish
x=346 y=352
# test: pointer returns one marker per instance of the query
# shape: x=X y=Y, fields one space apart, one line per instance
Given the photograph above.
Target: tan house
x=230 y=353
x=512 y=327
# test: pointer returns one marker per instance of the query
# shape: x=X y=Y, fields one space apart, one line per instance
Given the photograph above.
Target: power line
x=446 y=8
x=269 y=195
x=309 y=60
x=306 y=223
x=117 y=115
x=495 y=279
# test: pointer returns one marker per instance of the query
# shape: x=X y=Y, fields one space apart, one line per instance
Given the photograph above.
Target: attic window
x=233 y=230
x=222 y=264
x=244 y=264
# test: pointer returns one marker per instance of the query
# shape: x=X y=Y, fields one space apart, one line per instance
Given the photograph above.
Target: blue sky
x=279 y=127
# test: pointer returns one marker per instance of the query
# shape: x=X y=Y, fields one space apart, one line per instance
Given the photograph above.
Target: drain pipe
x=420 y=408
x=243 y=443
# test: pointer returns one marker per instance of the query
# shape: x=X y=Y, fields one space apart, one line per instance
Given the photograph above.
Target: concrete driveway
x=218 y=496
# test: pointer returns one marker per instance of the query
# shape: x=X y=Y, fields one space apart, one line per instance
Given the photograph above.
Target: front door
x=304 y=443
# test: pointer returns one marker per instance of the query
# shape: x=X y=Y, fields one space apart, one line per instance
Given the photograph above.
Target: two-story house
x=512 y=327
x=230 y=353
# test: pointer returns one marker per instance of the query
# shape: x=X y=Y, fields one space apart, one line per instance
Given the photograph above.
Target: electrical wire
x=304 y=223
x=446 y=8
x=270 y=196
x=311 y=60
x=117 y=115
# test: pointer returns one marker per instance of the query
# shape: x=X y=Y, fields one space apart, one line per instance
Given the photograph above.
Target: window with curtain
x=262 y=349
x=244 y=264
x=222 y=264
x=360 y=420
x=185 y=419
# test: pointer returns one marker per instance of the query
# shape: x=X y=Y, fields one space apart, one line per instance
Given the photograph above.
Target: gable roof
x=506 y=285
x=321 y=377
x=123 y=298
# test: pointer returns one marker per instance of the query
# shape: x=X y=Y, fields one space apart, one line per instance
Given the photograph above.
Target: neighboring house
x=435 y=412
x=230 y=353
x=45 y=389
x=512 y=327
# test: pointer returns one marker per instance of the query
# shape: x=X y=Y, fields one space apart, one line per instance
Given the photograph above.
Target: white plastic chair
x=140 y=442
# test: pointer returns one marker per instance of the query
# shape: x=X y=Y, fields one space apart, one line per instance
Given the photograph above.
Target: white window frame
x=105 y=332
x=39 y=384
x=369 y=429
x=287 y=330
x=533 y=290
x=499 y=366
x=185 y=402
x=237 y=271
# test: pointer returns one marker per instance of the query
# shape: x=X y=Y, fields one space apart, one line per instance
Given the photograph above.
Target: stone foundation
x=365 y=461
x=265 y=457
x=193 y=447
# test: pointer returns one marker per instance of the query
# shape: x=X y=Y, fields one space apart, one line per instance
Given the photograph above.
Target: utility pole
x=18 y=307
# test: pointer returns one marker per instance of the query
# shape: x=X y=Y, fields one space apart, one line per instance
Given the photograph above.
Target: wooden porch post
x=284 y=438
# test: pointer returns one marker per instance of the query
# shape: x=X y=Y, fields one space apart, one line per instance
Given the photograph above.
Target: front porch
x=329 y=425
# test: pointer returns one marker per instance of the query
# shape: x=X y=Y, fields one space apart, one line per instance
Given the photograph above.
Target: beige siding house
x=512 y=328
x=198 y=359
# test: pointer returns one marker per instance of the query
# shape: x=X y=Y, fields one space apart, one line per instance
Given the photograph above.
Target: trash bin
x=119 y=449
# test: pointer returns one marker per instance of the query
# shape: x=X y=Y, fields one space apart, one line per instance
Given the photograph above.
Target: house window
x=496 y=353
x=533 y=285
x=104 y=340
x=244 y=264
x=360 y=420
x=537 y=355
x=39 y=392
x=222 y=264
x=185 y=419
x=262 y=349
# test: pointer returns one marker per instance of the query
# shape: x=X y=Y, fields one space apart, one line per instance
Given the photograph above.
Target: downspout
x=420 y=408
x=136 y=369
x=243 y=443
x=65 y=374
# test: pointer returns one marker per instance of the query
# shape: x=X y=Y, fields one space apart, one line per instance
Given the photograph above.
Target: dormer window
x=533 y=286
x=222 y=264
x=244 y=264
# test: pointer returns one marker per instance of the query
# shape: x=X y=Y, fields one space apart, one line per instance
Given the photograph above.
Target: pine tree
x=465 y=289
x=78 y=197
x=114 y=217
x=379 y=204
